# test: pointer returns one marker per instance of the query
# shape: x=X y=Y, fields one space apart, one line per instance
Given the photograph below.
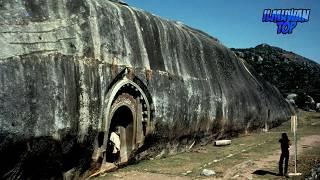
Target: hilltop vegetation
x=289 y=72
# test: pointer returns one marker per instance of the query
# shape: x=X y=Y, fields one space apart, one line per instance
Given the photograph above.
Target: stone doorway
x=124 y=115
x=128 y=108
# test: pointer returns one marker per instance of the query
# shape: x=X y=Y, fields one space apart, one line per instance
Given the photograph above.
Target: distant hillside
x=289 y=72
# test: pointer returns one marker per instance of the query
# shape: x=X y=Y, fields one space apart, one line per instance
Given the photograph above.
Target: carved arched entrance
x=128 y=107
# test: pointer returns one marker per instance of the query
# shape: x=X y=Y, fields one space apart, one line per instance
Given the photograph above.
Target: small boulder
x=186 y=173
x=222 y=142
x=207 y=172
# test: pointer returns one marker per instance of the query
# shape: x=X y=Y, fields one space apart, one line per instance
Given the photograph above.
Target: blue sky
x=238 y=23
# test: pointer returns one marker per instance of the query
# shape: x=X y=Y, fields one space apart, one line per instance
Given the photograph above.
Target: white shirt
x=116 y=141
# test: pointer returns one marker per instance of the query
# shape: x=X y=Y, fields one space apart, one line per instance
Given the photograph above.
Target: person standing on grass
x=285 y=143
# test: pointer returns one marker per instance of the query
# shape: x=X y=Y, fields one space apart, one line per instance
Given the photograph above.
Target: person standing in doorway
x=284 y=157
x=115 y=140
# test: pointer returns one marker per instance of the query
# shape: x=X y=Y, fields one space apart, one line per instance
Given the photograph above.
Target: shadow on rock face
x=41 y=158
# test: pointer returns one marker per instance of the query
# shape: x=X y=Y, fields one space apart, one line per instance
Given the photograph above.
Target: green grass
x=196 y=161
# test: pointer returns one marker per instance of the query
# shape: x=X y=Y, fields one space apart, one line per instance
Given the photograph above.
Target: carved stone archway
x=127 y=106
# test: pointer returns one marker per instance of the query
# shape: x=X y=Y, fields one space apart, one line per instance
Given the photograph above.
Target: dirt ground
x=253 y=156
x=246 y=169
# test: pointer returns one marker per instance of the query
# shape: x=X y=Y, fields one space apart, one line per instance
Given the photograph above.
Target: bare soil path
x=254 y=156
x=245 y=169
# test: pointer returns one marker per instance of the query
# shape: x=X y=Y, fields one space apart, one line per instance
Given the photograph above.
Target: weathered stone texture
x=58 y=59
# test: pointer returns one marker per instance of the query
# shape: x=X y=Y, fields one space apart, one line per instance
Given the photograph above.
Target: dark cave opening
x=121 y=124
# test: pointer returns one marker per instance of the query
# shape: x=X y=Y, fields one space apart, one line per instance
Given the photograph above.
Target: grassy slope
x=252 y=148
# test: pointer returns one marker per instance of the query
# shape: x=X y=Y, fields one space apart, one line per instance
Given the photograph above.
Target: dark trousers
x=284 y=157
x=116 y=157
